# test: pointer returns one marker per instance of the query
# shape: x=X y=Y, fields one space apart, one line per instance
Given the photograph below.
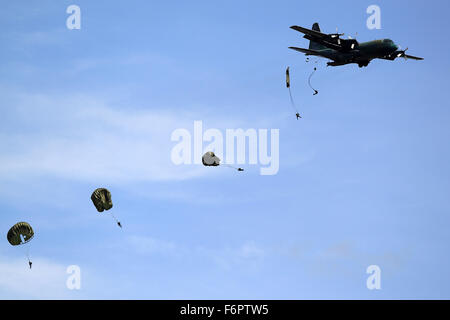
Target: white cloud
x=84 y=139
x=46 y=280
x=147 y=245
x=249 y=253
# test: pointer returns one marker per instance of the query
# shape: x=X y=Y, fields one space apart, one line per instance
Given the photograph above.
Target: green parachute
x=19 y=234
x=101 y=198
x=209 y=159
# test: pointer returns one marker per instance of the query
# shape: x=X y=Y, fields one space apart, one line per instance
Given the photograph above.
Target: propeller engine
x=335 y=36
x=350 y=44
x=402 y=53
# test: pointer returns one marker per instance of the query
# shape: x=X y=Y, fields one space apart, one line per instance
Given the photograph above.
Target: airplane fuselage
x=362 y=54
x=344 y=51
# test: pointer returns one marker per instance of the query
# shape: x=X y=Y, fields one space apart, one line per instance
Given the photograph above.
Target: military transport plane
x=345 y=51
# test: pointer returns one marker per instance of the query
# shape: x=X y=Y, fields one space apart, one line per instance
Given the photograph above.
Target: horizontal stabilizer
x=310 y=32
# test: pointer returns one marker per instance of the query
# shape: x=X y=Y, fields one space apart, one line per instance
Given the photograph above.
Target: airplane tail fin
x=314 y=45
x=315 y=27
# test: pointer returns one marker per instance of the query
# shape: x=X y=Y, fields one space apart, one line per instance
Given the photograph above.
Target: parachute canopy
x=101 y=198
x=288 y=80
x=210 y=159
x=19 y=231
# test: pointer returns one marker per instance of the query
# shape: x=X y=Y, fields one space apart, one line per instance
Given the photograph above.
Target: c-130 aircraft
x=345 y=51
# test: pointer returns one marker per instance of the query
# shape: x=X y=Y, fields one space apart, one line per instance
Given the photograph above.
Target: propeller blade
x=402 y=53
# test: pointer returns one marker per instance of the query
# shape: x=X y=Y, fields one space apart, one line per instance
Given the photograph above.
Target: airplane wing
x=413 y=57
x=308 y=52
x=400 y=54
x=310 y=32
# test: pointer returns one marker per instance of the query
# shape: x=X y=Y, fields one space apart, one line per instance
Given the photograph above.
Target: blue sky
x=363 y=179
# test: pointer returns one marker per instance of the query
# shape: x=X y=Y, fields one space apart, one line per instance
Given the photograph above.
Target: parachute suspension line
x=292 y=101
x=309 y=81
x=115 y=219
x=230 y=166
x=28 y=254
x=288 y=85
